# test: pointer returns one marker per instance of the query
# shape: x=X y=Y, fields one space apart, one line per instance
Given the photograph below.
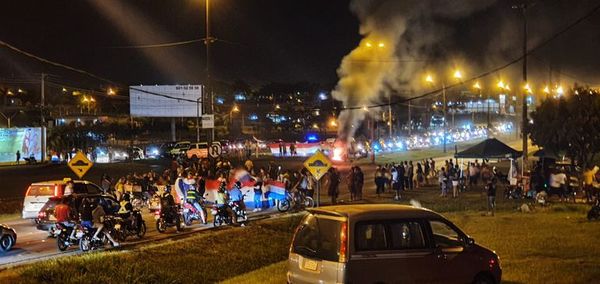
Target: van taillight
x=343 y=242
x=55 y=190
x=41 y=214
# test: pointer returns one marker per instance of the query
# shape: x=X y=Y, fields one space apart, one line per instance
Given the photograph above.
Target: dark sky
x=264 y=40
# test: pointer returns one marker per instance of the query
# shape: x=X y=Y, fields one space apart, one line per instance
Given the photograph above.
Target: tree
x=569 y=125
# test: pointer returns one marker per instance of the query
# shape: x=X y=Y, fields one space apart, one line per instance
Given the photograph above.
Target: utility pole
x=43 y=118
x=523 y=8
x=409 y=120
x=489 y=124
x=208 y=42
x=390 y=114
x=444 y=110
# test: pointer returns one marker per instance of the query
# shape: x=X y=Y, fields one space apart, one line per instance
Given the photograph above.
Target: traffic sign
x=80 y=164
x=215 y=150
x=318 y=164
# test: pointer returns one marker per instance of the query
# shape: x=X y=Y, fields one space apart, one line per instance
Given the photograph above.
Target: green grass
x=205 y=258
x=555 y=244
x=274 y=273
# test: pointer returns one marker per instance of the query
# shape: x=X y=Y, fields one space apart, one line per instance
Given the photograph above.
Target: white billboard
x=165 y=100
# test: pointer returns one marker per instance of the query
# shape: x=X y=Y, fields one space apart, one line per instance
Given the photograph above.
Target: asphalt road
x=35 y=245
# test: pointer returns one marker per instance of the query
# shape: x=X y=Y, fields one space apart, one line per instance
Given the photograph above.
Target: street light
x=111 y=92
x=457 y=74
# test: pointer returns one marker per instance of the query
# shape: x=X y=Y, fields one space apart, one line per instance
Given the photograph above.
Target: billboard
x=28 y=141
x=165 y=100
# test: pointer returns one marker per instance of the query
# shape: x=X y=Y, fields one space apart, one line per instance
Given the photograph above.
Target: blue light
x=220 y=101
x=253 y=117
x=322 y=96
x=312 y=137
x=376 y=146
x=240 y=97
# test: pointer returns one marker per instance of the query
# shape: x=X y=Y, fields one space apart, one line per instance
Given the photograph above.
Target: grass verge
x=557 y=245
x=205 y=258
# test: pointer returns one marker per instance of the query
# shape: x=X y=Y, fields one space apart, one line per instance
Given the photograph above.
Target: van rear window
x=41 y=190
x=318 y=238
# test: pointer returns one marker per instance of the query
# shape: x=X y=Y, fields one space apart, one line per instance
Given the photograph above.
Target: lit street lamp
x=457 y=74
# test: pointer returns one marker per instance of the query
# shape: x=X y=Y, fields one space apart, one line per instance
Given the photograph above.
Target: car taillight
x=343 y=241
x=492 y=263
x=41 y=214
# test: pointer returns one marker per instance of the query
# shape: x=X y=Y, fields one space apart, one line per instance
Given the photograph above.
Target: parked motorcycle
x=68 y=235
x=190 y=213
x=594 y=212
x=125 y=227
x=220 y=216
x=167 y=217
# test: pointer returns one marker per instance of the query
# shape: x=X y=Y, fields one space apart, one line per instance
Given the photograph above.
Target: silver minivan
x=386 y=243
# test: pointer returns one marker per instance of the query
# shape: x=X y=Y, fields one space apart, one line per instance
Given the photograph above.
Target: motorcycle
x=594 y=212
x=237 y=209
x=86 y=242
x=190 y=213
x=220 y=216
x=125 y=228
x=167 y=218
x=68 y=235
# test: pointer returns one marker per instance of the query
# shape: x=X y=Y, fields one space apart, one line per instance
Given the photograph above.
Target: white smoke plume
x=393 y=31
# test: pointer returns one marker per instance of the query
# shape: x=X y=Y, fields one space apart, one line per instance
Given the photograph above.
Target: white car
x=38 y=193
x=179 y=148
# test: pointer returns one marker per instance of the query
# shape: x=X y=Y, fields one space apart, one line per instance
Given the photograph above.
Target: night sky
x=265 y=40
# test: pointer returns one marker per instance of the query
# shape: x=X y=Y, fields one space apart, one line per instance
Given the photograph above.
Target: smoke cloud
x=395 y=35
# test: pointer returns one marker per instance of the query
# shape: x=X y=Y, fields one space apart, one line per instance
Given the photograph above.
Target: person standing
x=589 y=177
x=406 y=176
x=426 y=171
x=411 y=175
x=105 y=183
x=258 y=192
x=352 y=183
x=18 y=157
x=379 y=181
x=491 y=196
x=395 y=182
x=442 y=180
x=360 y=180
x=419 y=174
x=334 y=184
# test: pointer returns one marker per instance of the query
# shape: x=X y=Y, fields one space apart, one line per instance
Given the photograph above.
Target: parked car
x=46 y=221
x=39 y=193
x=8 y=238
x=386 y=244
x=179 y=148
x=200 y=150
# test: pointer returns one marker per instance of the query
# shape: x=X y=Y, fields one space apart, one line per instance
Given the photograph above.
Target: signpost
x=318 y=165
x=215 y=150
x=80 y=164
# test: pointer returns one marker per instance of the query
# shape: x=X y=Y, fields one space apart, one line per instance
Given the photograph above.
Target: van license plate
x=310 y=265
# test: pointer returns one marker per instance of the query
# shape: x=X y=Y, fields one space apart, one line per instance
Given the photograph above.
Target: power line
x=172 y=44
x=54 y=63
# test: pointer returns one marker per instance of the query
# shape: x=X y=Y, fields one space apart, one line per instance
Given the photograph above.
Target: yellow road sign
x=318 y=164
x=80 y=164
